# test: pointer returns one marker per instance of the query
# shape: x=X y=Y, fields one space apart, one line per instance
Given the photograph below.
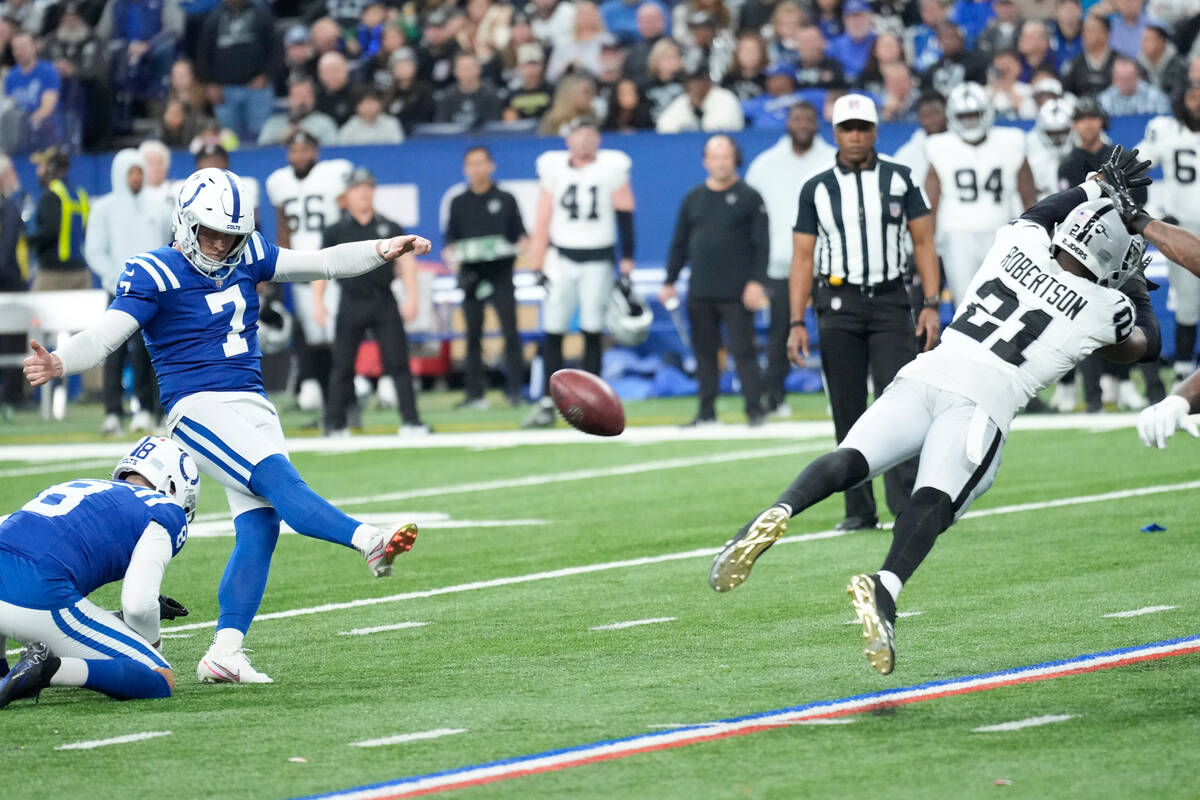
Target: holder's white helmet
x=169 y=469
x=215 y=199
x=1095 y=236
x=965 y=101
x=1054 y=127
x=628 y=318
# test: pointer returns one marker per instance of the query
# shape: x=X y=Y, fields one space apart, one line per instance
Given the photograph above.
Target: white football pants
x=82 y=630
x=586 y=286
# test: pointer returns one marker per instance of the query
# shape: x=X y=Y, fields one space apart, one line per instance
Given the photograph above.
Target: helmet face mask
x=214 y=199
x=968 y=113
x=1094 y=235
x=167 y=468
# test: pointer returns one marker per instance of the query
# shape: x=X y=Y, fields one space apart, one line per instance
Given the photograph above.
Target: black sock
x=916 y=529
x=1185 y=343
x=832 y=472
x=593 y=353
x=552 y=357
x=321 y=358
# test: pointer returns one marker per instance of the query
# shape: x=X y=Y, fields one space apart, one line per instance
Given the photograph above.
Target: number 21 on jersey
x=235 y=343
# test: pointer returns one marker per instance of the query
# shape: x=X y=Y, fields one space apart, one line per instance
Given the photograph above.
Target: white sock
x=364 y=538
x=71 y=672
x=228 y=640
x=891 y=582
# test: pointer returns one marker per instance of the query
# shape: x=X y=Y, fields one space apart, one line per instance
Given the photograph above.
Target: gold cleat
x=732 y=565
x=878 y=631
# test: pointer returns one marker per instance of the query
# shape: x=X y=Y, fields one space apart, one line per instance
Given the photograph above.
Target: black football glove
x=1122 y=173
x=169 y=608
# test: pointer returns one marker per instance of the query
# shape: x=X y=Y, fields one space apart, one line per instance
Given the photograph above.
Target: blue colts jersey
x=202 y=334
x=78 y=536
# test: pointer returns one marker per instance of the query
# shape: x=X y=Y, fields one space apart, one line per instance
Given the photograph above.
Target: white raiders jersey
x=1043 y=163
x=1022 y=325
x=310 y=204
x=583 y=217
x=1170 y=144
x=979 y=182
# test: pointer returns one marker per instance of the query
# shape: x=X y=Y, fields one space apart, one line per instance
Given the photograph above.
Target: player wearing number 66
x=195 y=303
x=1048 y=294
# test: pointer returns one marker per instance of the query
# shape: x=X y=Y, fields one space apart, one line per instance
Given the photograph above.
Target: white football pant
x=586 y=286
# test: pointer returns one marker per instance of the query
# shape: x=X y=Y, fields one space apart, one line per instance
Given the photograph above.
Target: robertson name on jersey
x=583 y=216
x=978 y=182
x=1024 y=323
x=309 y=204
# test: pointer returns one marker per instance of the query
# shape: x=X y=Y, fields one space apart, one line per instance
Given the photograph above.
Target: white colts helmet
x=215 y=199
x=169 y=470
x=965 y=101
x=1054 y=128
x=1094 y=235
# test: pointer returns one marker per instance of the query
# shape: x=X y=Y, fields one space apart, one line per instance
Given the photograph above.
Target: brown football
x=587 y=402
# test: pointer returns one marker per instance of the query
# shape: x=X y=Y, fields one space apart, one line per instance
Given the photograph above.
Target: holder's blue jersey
x=82 y=532
x=202 y=334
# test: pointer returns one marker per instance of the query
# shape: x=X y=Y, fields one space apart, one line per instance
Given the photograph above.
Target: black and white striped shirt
x=860 y=219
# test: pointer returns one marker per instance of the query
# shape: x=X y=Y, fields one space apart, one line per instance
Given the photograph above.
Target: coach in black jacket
x=722 y=232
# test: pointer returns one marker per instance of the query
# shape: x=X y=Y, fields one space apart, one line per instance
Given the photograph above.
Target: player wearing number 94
x=196 y=306
x=1048 y=293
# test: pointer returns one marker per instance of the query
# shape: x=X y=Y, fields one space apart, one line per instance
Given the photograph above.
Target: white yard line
x=633 y=623
x=399 y=626
x=220 y=529
x=1139 y=612
x=132 y=737
x=832 y=721
x=689 y=554
x=561 y=435
x=175 y=635
x=408 y=737
x=63 y=466
x=1032 y=722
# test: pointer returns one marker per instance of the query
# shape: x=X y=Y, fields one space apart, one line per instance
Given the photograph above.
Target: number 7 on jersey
x=234 y=345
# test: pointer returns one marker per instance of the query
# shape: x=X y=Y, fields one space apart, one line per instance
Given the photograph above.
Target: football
x=587 y=402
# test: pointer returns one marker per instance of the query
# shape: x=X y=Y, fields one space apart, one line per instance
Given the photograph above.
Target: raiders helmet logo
x=493 y=206
x=731 y=198
x=894 y=208
x=381 y=230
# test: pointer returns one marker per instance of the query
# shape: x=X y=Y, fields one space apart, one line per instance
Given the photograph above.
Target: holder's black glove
x=1122 y=173
x=169 y=608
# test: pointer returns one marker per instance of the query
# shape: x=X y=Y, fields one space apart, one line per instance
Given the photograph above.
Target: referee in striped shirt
x=849 y=239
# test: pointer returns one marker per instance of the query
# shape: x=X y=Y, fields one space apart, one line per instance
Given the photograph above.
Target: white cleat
x=389 y=545
x=142 y=422
x=310 y=398
x=414 y=430
x=1064 y=398
x=111 y=425
x=229 y=668
x=1129 y=398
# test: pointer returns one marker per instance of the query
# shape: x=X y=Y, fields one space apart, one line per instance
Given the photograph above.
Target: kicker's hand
x=390 y=249
x=43 y=366
x=170 y=608
x=1159 y=422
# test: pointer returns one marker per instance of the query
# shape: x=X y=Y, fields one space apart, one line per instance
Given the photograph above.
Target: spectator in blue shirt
x=1125 y=37
x=972 y=16
x=853 y=48
x=921 y=39
x=1035 y=49
x=620 y=17
x=33 y=86
x=1066 y=32
x=141 y=37
x=771 y=109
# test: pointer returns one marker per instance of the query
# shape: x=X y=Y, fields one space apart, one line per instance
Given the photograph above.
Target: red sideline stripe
x=701 y=737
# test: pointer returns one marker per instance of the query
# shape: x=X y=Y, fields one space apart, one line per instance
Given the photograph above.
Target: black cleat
x=733 y=563
x=29 y=675
x=857 y=524
x=876 y=610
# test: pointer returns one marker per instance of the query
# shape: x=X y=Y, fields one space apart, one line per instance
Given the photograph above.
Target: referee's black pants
x=706 y=317
x=382 y=318
x=860 y=333
x=778 y=329
x=504 y=301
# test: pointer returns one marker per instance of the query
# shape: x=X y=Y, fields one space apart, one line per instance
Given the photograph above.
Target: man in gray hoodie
x=124 y=223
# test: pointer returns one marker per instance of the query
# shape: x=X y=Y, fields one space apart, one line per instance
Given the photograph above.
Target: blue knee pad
x=306 y=511
x=125 y=679
x=245 y=579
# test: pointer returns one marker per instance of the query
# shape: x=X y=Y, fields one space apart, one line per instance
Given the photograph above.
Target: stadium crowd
x=91 y=74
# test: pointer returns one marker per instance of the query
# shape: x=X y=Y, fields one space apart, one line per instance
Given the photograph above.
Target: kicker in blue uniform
x=75 y=537
x=196 y=305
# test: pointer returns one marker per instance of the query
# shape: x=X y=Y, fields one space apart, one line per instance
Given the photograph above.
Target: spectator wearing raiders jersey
x=367 y=304
x=859 y=261
x=586 y=198
x=722 y=234
x=483 y=232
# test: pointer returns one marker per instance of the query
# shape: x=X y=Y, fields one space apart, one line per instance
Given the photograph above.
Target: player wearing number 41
x=1044 y=298
x=977 y=176
x=74 y=538
x=196 y=305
